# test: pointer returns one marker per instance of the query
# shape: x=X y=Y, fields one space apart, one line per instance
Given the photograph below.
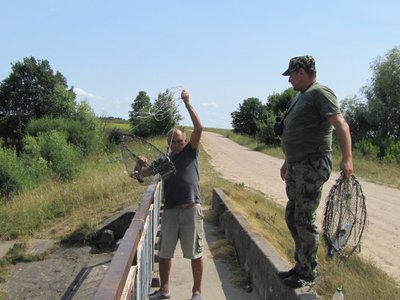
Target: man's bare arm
x=197 y=126
x=344 y=139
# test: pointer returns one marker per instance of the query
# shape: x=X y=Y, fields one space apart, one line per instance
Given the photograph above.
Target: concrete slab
x=40 y=246
x=66 y=271
x=215 y=286
x=91 y=279
x=5 y=246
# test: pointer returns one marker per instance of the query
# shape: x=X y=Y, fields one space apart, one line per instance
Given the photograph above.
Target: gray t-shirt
x=183 y=187
x=307 y=131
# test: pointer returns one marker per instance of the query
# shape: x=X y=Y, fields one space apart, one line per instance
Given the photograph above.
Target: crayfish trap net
x=345 y=217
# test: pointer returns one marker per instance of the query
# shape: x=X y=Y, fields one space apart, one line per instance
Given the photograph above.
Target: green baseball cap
x=306 y=62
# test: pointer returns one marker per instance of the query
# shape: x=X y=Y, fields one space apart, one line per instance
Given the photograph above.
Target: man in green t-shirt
x=307 y=145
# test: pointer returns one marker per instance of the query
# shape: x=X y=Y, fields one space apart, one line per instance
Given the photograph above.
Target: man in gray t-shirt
x=307 y=145
x=183 y=217
x=183 y=187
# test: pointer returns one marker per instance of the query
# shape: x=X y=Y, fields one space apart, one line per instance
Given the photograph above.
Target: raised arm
x=197 y=126
x=344 y=139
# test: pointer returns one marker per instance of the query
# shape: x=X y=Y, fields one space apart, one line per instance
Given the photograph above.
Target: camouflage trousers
x=304 y=181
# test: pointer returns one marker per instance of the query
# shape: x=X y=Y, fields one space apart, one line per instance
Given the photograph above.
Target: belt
x=186 y=205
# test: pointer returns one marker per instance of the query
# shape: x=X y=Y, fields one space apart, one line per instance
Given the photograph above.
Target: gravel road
x=380 y=243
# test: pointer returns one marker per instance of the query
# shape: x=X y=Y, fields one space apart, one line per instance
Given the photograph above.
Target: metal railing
x=130 y=272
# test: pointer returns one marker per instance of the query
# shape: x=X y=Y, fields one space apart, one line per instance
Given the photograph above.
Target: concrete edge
x=255 y=255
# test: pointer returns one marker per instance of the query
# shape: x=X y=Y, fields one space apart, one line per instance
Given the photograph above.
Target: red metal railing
x=130 y=271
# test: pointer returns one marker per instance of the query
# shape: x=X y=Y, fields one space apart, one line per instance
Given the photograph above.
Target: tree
x=276 y=106
x=278 y=103
x=383 y=96
x=356 y=114
x=245 y=119
x=139 y=116
x=265 y=129
x=32 y=90
x=166 y=115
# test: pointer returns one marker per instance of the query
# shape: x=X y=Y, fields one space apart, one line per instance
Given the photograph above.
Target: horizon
x=221 y=52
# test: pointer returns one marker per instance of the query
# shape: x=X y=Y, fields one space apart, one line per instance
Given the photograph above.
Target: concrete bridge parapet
x=255 y=255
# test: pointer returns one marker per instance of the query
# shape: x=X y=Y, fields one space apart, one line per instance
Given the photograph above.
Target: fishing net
x=345 y=217
x=137 y=153
x=166 y=105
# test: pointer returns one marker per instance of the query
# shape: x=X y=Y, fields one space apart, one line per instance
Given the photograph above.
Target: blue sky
x=223 y=52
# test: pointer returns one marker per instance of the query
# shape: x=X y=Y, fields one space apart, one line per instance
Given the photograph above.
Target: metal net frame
x=133 y=147
x=345 y=217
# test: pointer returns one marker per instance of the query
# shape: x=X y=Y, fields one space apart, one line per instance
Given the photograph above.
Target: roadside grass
x=359 y=278
x=55 y=209
x=371 y=170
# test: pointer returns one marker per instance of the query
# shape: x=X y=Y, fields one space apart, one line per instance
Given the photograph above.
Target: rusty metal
x=113 y=283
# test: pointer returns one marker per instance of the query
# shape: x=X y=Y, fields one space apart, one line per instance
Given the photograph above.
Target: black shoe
x=286 y=274
x=296 y=281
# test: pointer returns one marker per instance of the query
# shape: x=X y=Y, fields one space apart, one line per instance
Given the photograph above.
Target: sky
x=222 y=52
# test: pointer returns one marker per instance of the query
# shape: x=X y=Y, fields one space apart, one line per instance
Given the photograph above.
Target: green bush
x=113 y=139
x=144 y=127
x=265 y=130
x=62 y=157
x=392 y=151
x=35 y=165
x=88 y=132
x=366 y=148
x=82 y=133
x=12 y=173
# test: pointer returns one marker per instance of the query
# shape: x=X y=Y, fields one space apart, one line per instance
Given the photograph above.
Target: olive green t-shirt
x=306 y=130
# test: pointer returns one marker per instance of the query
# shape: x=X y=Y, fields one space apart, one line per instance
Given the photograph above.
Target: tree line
x=373 y=117
x=45 y=132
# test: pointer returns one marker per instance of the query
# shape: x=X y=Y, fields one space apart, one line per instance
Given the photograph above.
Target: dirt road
x=380 y=242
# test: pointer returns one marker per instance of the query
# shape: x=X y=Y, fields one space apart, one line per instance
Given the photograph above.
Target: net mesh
x=134 y=150
x=345 y=216
x=165 y=105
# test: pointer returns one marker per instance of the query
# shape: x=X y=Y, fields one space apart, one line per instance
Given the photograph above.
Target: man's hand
x=347 y=168
x=185 y=97
x=142 y=161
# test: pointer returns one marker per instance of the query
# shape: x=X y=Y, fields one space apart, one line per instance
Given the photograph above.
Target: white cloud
x=82 y=94
x=210 y=104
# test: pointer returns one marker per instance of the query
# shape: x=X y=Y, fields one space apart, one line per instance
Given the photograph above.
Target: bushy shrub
x=144 y=128
x=62 y=157
x=366 y=148
x=265 y=130
x=113 y=139
x=83 y=130
x=35 y=165
x=12 y=173
x=392 y=151
x=88 y=132
x=79 y=134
